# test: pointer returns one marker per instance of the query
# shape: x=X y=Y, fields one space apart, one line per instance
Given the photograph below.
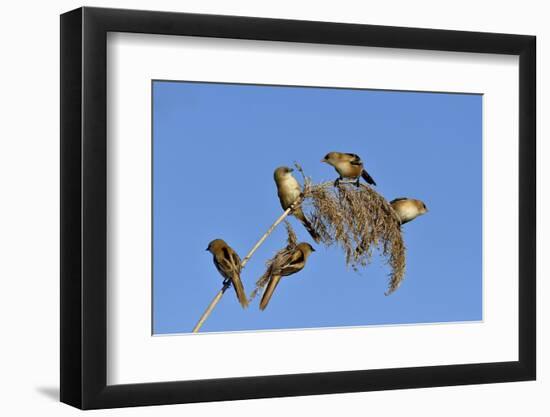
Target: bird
x=290 y=192
x=408 y=209
x=348 y=165
x=287 y=262
x=228 y=264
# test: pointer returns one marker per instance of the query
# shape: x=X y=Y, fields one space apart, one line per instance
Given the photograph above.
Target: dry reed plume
x=359 y=220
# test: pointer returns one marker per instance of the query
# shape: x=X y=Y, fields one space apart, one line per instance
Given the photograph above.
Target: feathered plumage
x=289 y=192
x=228 y=264
x=408 y=209
x=348 y=165
x=287 y=262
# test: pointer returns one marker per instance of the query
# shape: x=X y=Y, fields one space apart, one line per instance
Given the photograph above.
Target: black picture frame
x=84 y=197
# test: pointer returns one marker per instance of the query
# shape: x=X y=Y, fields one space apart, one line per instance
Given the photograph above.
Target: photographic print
x=363 y=194
x=292 y=207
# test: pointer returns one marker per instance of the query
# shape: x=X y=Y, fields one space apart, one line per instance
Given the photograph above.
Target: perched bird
x=228 y=264
x=289 y=191
x=348 y=165
x=408 y=208
x=287 y=262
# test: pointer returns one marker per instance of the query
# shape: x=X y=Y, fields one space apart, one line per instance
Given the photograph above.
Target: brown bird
x=348 y=165
x=408 y=209
x=289 y=191
x=286 y=263
x=228 y=264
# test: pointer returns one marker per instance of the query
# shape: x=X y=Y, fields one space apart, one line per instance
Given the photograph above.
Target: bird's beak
x=291 y=170
x=323 y=160
x=206 y=249
x=312 y=249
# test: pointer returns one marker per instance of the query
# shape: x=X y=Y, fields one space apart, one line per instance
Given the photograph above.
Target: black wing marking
x=356 y=159
x=236 y=260
x=226 y=254
x=398 y=199
x=295 y=264
x=224 y=264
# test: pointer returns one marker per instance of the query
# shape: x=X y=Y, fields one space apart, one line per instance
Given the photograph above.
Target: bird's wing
x=229 y=265
x=236 y=260
x=294 y=264
x=398 y=199
x=225 y=264
x=355 y=159
x=281 y=260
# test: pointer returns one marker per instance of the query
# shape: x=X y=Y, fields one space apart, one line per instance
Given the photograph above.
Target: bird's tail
x=269 y=291
x=367 y=177
x=299 y=214
x=239 y=290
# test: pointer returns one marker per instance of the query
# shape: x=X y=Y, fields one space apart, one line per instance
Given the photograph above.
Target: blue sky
x=215 y=147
